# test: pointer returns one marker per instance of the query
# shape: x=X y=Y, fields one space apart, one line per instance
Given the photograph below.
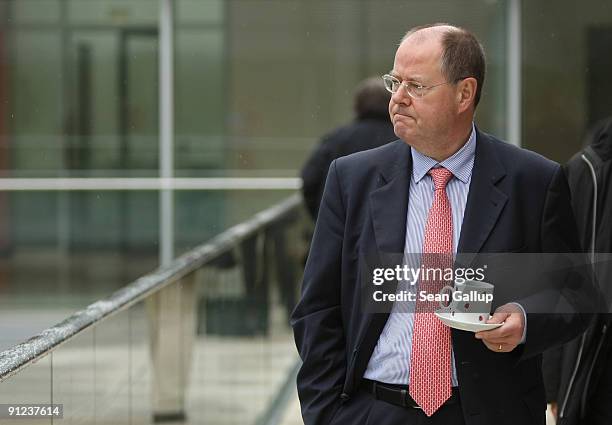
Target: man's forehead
x=417 y=57
x=423 y=40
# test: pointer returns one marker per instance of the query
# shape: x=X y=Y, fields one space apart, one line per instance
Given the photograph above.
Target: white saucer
x=446 y=318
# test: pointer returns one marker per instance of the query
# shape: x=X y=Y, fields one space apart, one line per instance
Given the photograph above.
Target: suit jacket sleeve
x=563 y=310
x=317 y=319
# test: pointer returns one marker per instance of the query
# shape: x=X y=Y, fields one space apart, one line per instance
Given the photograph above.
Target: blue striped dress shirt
x=390 y=361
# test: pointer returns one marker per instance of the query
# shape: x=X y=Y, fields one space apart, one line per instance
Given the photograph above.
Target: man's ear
x=466 y=93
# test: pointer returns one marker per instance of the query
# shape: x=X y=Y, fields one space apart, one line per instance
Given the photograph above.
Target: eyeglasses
x=414 y=89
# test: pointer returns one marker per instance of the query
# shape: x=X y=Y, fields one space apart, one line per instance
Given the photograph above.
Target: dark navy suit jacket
x=518 y=202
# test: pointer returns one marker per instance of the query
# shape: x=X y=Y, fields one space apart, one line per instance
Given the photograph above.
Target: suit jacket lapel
x=485 y=200
x=389 y=203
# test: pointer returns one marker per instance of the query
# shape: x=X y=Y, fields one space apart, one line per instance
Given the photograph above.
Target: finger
x=498 y=348
x=501 y=347
x=509 y=332
x=493 y=333
x=487 y=334
x=497 y=341
x=489 y=346
x=510 y=340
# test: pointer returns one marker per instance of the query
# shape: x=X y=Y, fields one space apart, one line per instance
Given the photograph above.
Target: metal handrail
x=18 y=357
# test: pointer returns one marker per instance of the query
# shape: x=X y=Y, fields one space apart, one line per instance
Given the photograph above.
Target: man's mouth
x=399 y=115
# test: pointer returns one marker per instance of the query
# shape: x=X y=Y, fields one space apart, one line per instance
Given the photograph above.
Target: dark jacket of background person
x=578 y=376
x=371 y=128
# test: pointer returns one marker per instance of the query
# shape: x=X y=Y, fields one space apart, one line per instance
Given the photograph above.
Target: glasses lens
x=415 y=90
x=391 y=84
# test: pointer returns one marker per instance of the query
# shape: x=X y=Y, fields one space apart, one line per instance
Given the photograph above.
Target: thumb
x=498 y=317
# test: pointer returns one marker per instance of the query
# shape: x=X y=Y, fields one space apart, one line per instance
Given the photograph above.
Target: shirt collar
x=460 y=163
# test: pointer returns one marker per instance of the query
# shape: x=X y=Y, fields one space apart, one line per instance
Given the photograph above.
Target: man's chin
x=403 y=131
x=404 y=121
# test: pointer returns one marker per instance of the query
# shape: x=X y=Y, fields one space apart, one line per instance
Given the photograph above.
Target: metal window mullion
x=166 y=128
x=514 y=83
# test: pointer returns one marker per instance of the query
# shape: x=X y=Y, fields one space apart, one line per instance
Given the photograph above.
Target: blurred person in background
x=578 y=376
x=371 y=128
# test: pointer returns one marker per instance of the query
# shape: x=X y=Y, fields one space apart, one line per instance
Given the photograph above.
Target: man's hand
x=505 y=338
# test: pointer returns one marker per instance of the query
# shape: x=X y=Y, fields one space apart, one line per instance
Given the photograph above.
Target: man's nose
x=401 y=96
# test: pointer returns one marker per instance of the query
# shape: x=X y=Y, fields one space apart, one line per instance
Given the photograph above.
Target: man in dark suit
x=444 y=188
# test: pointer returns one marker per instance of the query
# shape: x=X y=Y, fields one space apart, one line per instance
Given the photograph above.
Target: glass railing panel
x=140 y=366
x=244 y=352
x=112 y=370
x=32 y=385
x=74 y=378
x=212 y=345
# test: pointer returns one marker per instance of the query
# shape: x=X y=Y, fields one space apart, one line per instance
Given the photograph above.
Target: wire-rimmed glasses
x=415 y=90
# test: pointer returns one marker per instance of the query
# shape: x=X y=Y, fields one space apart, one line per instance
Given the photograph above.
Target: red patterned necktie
x=430 y=358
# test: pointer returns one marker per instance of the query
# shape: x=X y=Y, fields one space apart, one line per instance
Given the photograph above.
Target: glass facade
x=257 y=82
x=255 y=85
x=566 y=73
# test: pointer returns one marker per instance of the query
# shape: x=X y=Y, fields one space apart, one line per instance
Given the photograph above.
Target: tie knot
x=440 y=176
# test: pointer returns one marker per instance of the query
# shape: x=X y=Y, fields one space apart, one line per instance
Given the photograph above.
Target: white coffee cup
x=469 y=301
